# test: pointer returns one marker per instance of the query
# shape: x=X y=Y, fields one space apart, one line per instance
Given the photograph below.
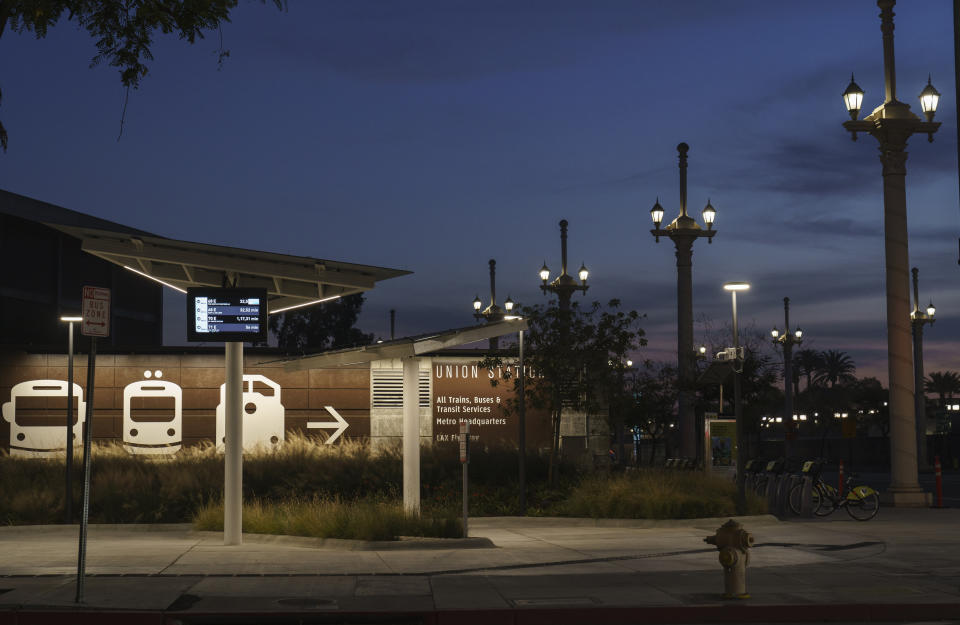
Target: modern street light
x=683 y=231
x=735 y=287
x=492 y=312
x=787 y=340
x=891 y=124
x=68 y=496
x=918 y=318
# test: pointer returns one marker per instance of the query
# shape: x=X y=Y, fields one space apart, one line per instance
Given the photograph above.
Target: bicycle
x=862 y=502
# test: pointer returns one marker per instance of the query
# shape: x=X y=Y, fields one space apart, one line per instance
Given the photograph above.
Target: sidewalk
x=903 y=565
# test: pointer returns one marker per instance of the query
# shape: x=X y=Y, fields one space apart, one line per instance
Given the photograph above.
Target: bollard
x=840 y=480
x=733 y=542
x=938 y=472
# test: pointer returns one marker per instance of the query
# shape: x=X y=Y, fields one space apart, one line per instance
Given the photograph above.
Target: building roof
x=405 y=347
x=43 y=212
x=290 y=281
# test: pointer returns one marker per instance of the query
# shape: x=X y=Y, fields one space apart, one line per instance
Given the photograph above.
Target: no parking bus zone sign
x=96 y=312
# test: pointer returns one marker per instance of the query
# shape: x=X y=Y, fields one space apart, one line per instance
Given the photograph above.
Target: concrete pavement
x=903 y=565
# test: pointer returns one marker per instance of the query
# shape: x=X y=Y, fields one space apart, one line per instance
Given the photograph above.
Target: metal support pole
x=919 y=397
x=522 y=434
x=87 y=444
x=233 y=446
x=71 y=414
x=738 y=414
x=791 y=427
x=685 y=354
x=411 y=436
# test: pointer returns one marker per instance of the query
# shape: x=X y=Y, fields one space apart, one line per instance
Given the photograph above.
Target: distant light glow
x=736 y=286
x=71 y=319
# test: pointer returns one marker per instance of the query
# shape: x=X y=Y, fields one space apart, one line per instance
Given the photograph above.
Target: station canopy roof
x=405 y=347
x=290 y=281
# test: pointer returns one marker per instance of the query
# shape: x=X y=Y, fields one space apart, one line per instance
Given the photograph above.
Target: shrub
x=331 y=518
x=655 y=494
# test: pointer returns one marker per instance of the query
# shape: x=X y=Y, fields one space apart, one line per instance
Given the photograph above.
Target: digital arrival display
x=215 y=315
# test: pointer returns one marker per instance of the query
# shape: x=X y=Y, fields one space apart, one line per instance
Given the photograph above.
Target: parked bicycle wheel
x=863 y=503
x=795 y=498
x=824 y=500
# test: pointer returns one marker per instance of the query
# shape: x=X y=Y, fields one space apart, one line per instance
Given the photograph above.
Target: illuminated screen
x=215 y=315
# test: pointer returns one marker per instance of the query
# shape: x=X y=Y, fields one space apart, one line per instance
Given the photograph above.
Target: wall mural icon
x=152 y=416
x=159 y=435
x=49 y=439
x=263 y=414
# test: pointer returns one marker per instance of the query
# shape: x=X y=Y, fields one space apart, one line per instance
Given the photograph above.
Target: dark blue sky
x=432 y=136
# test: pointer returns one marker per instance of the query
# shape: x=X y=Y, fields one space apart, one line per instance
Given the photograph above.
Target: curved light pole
x=683 y=231
x=892 y=124
x=787 y=340
x=918 y=318
x=734 y=287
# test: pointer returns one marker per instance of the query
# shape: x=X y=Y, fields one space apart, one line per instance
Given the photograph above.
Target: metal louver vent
x=388 y=388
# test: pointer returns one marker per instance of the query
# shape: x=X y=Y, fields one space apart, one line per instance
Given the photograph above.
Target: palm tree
x=943 y=383
x=807 y=361
x=835 y=367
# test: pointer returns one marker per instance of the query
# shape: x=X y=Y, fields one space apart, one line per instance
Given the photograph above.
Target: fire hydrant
x=733 y=542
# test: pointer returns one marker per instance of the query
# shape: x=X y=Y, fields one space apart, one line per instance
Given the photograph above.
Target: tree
x=808 y=362
x=124 y=29
x=944 y=383
x=655 y=400
x=575 y=355
x=321 y=327
x=835 y=367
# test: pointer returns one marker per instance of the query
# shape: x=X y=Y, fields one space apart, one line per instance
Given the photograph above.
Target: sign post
x=464 y=461
x=96 y=323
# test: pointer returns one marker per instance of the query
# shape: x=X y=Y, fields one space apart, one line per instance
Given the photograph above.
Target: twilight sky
x=433 y=135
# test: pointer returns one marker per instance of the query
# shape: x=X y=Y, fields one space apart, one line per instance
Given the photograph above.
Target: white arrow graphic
x=340 y=424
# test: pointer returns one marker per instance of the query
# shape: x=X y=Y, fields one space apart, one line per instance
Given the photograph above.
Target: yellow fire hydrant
x=733 y=542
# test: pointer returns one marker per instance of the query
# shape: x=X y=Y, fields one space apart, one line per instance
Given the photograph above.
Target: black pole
x=68 y=495
x=956 y=79
x=738 y=414
x=87 y=440
x=393 y=318
x=522 y=434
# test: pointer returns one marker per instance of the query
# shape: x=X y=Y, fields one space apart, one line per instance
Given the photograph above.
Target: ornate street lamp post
x=918 y=318
x=683 y=231
x=891 y=124
x=564 y=285
x=787 y=340
x=492 y=312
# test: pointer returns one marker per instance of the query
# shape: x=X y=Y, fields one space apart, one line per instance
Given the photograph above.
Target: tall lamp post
x=891 y=124
x=918 y=318
x=683 y=231
x=71 y=415
x=492 y=312
x=787 y=340
x=735 y=287
x=564 y=287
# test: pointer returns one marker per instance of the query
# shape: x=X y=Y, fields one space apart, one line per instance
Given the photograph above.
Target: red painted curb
x=721 y=613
